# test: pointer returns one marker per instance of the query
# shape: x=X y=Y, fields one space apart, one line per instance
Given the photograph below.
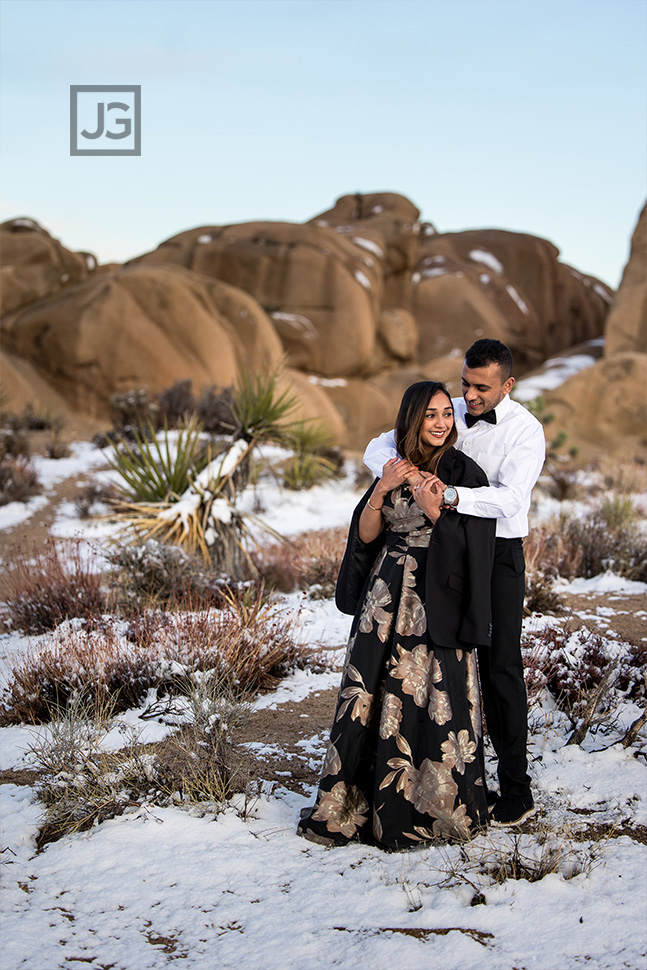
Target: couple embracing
x=433 y=575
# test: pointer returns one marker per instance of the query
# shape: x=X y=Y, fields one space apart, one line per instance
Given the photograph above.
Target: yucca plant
x=157 y=471
x=260 y=409
x=308 y=464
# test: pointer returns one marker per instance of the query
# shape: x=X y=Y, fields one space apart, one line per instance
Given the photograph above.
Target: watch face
x=449 y=495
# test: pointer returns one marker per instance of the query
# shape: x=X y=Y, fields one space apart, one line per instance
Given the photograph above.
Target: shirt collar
x=500 y=410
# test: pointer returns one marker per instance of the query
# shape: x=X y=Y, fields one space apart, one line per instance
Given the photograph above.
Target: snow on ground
x=241 y=890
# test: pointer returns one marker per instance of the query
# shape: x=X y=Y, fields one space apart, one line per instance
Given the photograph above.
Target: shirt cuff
x=466 y=500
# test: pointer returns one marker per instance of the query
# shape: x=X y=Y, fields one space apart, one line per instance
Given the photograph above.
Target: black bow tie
x=471 y=419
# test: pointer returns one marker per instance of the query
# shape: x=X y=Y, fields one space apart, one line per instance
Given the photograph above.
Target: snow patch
x=487 y=259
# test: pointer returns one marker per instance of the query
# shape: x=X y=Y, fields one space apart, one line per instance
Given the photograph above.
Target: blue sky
x=516 y=114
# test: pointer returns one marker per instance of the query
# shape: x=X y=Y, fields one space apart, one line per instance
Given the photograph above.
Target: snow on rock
x=517 y=299
x=370 y=245
x=487 y=259
x=362 y=278
x=298 y=321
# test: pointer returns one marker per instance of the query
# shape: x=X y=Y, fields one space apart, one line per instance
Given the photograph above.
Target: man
x=508 y=443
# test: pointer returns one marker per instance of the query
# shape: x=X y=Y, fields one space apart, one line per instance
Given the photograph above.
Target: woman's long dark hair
x=408 y=426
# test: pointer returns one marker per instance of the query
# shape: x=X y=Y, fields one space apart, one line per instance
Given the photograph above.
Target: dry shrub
x=563 y=481
x=249 y=645
x=310 y=561
x=629 y=478
x=606 y=539
x=572 y=666
x=99 y=664
x=57 y=445
x=92 y=495
x=538 y=668
x=621 y=549
x=155 y=572
x=541 y=596
x=81 y=784
x=13 y=439
x=549 y=551
x=46 y=588
x=18 y=480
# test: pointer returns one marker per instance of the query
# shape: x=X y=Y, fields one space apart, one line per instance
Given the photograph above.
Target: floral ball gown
x=404 y=764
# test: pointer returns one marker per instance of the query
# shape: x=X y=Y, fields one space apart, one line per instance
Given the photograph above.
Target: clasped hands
x=427 y=489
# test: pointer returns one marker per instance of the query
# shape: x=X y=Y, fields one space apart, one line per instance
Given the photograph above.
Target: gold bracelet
x=368 y=502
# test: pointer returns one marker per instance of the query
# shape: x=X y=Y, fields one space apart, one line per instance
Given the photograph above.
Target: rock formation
x=359 y=301
x=603 y=409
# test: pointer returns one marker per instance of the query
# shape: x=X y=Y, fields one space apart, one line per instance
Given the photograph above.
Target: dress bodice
x=405 y=519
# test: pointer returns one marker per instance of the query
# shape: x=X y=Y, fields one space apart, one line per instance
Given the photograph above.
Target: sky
x=526 y=115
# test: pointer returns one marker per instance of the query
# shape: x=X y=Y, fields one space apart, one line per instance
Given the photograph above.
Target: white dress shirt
x=510 y=452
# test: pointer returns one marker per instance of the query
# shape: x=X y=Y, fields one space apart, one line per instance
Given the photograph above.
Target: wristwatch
x=450 y=496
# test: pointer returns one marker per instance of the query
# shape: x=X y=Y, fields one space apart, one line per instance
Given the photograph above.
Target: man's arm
x=517 y=477
x=379 y=451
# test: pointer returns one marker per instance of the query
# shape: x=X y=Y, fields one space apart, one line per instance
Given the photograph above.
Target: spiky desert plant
x=155 y=470
x=310 y=462
x=259 y=408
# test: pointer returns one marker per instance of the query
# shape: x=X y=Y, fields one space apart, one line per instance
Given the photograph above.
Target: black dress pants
x=501 y=669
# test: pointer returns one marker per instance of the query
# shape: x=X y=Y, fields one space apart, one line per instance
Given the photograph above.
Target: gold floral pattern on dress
x=435 y=790
x=454 y=825
x=458 y=751
x=473 y=693
x=373 y=611
x=412 y=669
x=450 y=826
x=359 y=697
x=412 y=616
x=391 y=716
x=404 y=516
x=440 y=709
x=332 y=764
x=342 y=809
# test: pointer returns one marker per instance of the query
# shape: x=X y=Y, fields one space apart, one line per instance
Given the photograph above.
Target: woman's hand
x=395 y=472
x=428 y=495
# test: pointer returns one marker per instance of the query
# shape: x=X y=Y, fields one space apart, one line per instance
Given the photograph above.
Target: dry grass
x=530 y=855
x=45 y=588
x=81 y=784
x=311 y=561
x=249 y=644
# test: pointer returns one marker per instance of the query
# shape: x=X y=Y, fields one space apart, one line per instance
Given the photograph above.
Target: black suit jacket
x=459 y=564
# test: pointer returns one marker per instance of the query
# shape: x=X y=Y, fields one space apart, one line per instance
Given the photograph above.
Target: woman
x=404 y=764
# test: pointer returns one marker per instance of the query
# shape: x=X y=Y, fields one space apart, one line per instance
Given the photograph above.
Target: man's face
x=482 y=388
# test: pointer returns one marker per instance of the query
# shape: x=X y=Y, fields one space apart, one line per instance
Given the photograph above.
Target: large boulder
x=603 y=409
x=508 y=285
x=34 y=264
x=144 y=326
x=383 y=223
x=626 y=327
x=322 y=292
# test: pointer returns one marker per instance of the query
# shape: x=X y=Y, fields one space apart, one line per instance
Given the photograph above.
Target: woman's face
x=438 y=422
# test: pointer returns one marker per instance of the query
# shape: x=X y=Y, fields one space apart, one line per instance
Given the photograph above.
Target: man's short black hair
x=484 y=352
